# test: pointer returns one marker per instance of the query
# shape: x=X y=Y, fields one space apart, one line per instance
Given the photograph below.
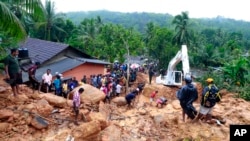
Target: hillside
x=140 y=20
x=108 y=122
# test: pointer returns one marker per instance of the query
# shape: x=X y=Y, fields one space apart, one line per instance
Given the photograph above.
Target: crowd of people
x=112 y=84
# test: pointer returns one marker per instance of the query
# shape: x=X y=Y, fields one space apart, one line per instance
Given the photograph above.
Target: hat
x=210 y=80
x=137 y=89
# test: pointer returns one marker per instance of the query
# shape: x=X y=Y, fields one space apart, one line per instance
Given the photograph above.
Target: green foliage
x=182 y=35
x=244 y=92
x=235 y=71
x=211 y=73
x=14 y=15
x=158 y=43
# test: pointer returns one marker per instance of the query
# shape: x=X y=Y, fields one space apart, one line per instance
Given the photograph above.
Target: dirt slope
x=144 y=122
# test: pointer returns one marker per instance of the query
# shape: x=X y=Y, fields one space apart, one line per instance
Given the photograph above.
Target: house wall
x=85 y=69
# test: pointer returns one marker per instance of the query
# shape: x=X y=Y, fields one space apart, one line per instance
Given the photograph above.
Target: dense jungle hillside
x=139 y=21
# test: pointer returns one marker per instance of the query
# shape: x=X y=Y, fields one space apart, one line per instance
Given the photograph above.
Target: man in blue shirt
x=187 y=95
x=131 y=96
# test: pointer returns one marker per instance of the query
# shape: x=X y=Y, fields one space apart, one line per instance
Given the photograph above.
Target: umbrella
x=134 y=65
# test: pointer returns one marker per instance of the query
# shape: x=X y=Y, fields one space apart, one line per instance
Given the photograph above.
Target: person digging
x=77 y=103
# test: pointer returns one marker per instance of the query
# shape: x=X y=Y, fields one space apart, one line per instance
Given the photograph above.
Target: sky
x=235 y=9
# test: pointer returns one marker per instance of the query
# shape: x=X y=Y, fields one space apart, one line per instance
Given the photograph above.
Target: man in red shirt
x=32 y=79
x=152 y=96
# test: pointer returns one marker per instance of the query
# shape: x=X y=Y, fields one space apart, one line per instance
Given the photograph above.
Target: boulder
x=90 y=93
x=4 y=114
x=99 y=117
x=20 y=99
x=85 y=130
x=43 y=107
x=111 y=133
x=119 y=101
x=55 y=100
x=70 y=103
x=39 y=123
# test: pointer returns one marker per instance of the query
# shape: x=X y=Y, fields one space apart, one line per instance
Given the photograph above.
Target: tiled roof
x=41 y=50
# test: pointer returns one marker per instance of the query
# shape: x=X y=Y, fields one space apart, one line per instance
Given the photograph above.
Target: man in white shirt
x=118 y=89
x=47 y=80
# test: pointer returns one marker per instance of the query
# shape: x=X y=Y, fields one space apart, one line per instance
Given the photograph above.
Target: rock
x=55 y=100
x=70 y=103
x=29 y=107
x=39 y=123
x=2 y=89
x=85 y=130
x=99 y=117
x=142 y=111
x=119 y=101
x=111 y=133
x=104 y=110
x=28 y=120
x=4 y=114
x=43 y=108
x=90 y=93
x=176 y=104
x=20 y=99
x=4 y=95
x=35 y=96
x=5 y=127
x=61 y=135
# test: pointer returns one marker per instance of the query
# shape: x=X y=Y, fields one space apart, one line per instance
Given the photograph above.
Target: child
x=77 y=103
x=65 y=89
x=152 y=96
x=57 y=83
x=161 y=101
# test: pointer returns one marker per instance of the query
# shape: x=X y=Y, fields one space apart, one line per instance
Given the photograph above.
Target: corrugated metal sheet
x=60 y=66
x=96 y=61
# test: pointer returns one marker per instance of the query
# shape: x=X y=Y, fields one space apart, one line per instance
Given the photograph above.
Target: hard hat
x=188 y=79
x=209 y=80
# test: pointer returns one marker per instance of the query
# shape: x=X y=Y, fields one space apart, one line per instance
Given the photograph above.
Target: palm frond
x=10 y=23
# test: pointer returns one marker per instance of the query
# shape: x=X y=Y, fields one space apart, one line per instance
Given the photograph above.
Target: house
x=61 y=58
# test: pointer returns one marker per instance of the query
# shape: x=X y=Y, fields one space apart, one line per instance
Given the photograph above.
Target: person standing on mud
x=151 y=73
x=32 y=76
x=77 y=103
x=13 y=71
x=187 y=95
x=210 y=96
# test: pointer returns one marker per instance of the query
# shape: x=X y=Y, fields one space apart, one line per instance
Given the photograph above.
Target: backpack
x=211 y=97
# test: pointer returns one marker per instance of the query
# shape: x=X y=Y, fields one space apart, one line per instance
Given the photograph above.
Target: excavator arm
x=174 y=77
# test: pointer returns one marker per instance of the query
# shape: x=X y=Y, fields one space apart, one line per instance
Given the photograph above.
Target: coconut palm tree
x=11 y=13
x=182 y=35
x=50 y=27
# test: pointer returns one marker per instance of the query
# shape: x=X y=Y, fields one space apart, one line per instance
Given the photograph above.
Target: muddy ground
x=109 y=122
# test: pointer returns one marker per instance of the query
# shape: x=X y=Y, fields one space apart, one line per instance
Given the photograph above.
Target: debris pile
x=33 y=116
